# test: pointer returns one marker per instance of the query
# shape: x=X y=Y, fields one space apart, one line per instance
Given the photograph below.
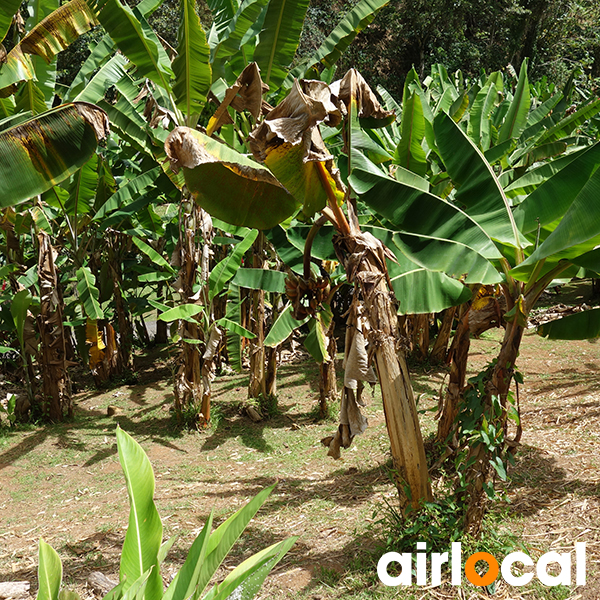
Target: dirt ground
x=63 y=483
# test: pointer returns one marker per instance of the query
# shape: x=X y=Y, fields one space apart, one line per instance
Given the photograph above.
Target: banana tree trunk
x=116 y=247
x=328 y=379
x=57 y=403
x=498 y=385
x=258 y=382
x=420 y=336
x=440 y=347
x=458 y=355
x=187 y=387
x=364 y=259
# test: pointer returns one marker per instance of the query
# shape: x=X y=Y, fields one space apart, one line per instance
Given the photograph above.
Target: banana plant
x=144 y=550
x=299 y=170
x=509 y=218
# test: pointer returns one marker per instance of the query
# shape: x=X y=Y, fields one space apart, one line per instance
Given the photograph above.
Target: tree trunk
x=56 y=385
x=116 y=243
x=498 y=385
x=187 y=387
x=420 y=336
x=458 y=356
x=328 y=378
x=258 y=384
x=439 y=351
x=364 y=259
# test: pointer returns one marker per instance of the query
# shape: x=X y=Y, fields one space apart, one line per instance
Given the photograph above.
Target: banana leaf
x=228 y=185
x=478 y=189
x=49 y=573
x=89 y=294
x=47 y=149
x=8 y=8
x=144 y=532
x=135 y=39
x=336 y=43
x=228 y=267
x=191 y=67
x=59 y=29
x=260 y=279
x=579 y=326
x=516 y=117
x=279 y=39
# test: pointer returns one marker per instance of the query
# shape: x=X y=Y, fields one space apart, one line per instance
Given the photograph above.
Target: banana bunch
x=306 y=295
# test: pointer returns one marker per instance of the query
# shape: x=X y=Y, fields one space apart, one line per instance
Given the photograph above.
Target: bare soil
x=63 y=483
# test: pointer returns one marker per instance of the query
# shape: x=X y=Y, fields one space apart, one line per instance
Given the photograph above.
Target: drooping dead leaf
x=290 y=143
x=245 y=94
x=353 y=87
x=212 y=344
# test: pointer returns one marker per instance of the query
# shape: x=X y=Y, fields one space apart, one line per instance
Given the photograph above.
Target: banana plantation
x=228 y=199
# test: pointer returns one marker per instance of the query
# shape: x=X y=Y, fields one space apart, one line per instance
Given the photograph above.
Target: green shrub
x=144 y=551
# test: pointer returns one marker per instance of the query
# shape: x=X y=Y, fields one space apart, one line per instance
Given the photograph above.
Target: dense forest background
x=560 y=37
x=557 y=35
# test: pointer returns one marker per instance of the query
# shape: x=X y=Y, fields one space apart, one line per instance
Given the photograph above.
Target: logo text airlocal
x=455 y=561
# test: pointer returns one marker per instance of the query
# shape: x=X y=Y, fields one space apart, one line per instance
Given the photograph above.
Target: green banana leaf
x=94 y=91
x=18 y=310
x=81 y=189
x=354 y=21
x=185 y=582
x=478 y=189
x=413 y=210
x=227 y=184
x=223 y=11
x=49 y=573
x=420 y=291
x=144 y=532
x=89 y=294
x=30 y=98
x=409 y=152
x=579 y=326
x=47 y=149
x=568 y=124
x=234 y=327
x=279 y=39
x=516 y=117
x=246 y=579
x=230 y=41
x=186 y=312
x=260 y=279
x=228 y=267
x=152 y=254
x=322 y=246
x=193 y=76
x=8 y=8
x=479 y=128
x=551 y=200
x=99 y=56
x=577 y=233
x=446 y=256
x=126 y=193
x=56 y=32
x=233 y=313
x=223 y=538
x=316 y=341
x=283 y=327
x=135 y=39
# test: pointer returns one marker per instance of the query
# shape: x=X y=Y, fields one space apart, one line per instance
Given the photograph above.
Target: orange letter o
x=474 y=577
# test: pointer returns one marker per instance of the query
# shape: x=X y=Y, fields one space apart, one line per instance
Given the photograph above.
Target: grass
x=337 y=508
